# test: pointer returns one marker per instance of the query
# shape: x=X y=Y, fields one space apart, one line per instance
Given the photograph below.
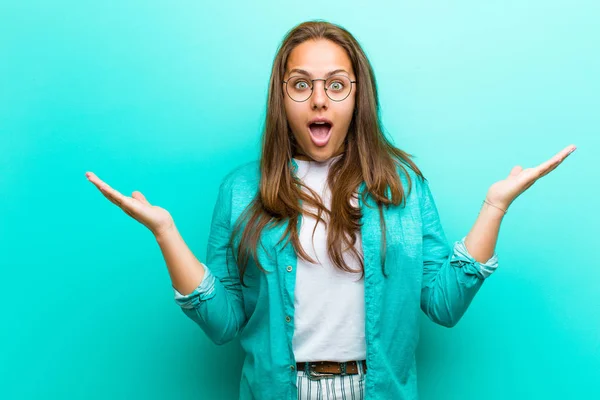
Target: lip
x=320 y=142
x=320 y=119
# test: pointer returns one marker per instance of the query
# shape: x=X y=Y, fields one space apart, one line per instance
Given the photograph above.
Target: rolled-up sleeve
x=451 y=276
x=204 y=291
x=216 y=304
x=461 y=256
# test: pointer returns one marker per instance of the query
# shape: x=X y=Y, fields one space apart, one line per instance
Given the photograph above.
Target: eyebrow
x=303 y=72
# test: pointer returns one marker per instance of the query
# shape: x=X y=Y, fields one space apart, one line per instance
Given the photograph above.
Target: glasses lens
x=338 y=87
x=299 y=88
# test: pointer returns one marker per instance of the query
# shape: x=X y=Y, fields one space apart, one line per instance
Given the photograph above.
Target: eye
x=300 y=84
x=336 y=85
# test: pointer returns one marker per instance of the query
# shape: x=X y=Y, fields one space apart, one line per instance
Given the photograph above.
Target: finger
x=129 y=205
x=139 y=196
x=546 y=166
x=113 y=195
x=516 y=170
x=117 y=201
x=99 y=183
x=527 y=178
x=569 y=149
x=92 y=178
x=528 y=186
x=555 y=161
x=552 y=167
x=128 y=213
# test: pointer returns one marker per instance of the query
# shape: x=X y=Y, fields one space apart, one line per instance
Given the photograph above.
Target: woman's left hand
x=504 y=192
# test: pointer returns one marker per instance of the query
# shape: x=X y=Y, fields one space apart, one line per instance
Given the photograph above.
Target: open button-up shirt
x=424 y=273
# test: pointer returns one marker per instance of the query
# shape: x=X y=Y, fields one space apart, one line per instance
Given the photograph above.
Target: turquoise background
x=166 y=97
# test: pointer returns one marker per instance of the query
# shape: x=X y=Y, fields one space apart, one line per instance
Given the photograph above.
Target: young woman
x=322 y=253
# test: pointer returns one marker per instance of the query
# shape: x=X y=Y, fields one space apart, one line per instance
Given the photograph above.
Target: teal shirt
x=423 y=273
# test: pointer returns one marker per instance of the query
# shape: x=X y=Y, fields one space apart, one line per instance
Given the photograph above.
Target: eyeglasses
x=337 y=87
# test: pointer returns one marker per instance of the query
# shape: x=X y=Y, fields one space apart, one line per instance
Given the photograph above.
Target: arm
x=451 y=276
x=185 y=270
x=481 y=240
x=215 y=302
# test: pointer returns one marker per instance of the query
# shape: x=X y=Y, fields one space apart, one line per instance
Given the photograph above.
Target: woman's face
x=319 y=58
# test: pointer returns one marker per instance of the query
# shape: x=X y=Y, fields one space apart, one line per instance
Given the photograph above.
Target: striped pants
x=336 y=387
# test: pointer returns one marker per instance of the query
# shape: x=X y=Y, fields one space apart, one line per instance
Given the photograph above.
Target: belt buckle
x=314 y=375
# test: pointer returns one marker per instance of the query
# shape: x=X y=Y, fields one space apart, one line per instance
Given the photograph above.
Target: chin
x=323 y=155
x=317 y=153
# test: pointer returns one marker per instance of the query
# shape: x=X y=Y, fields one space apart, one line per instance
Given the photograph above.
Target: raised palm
x=155 y=218
x=504 y=192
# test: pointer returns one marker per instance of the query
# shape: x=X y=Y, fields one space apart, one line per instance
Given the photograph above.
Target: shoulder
x=244 y=176
x=411 y=177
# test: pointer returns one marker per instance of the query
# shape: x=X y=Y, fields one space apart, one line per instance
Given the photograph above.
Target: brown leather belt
x=332 y=367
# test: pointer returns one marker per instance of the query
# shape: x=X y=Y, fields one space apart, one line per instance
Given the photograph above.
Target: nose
x=319 y=98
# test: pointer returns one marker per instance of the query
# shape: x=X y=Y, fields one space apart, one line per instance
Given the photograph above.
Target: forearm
x=481 y=240
x=184 y=268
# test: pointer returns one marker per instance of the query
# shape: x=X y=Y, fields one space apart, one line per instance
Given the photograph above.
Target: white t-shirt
x=329 y=316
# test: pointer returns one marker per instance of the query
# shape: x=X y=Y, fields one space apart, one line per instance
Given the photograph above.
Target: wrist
x=493 y=210
x=164 y=233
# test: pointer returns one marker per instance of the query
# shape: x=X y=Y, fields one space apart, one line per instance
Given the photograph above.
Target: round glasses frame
x=312 y=87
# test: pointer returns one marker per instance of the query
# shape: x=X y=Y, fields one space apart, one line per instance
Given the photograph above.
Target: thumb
x=139 y=196
x=516 y=170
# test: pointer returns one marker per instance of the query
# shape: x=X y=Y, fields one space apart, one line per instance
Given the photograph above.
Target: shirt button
x=292 y=367
x=287 y=318
x=289 y=268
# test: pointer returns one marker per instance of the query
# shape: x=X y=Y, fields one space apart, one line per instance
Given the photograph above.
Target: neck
x=304 y=157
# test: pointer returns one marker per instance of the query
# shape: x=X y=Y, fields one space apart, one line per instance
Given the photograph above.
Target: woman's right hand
x=155 y=218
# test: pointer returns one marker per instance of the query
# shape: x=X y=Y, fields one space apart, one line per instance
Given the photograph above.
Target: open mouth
x=320 y=133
